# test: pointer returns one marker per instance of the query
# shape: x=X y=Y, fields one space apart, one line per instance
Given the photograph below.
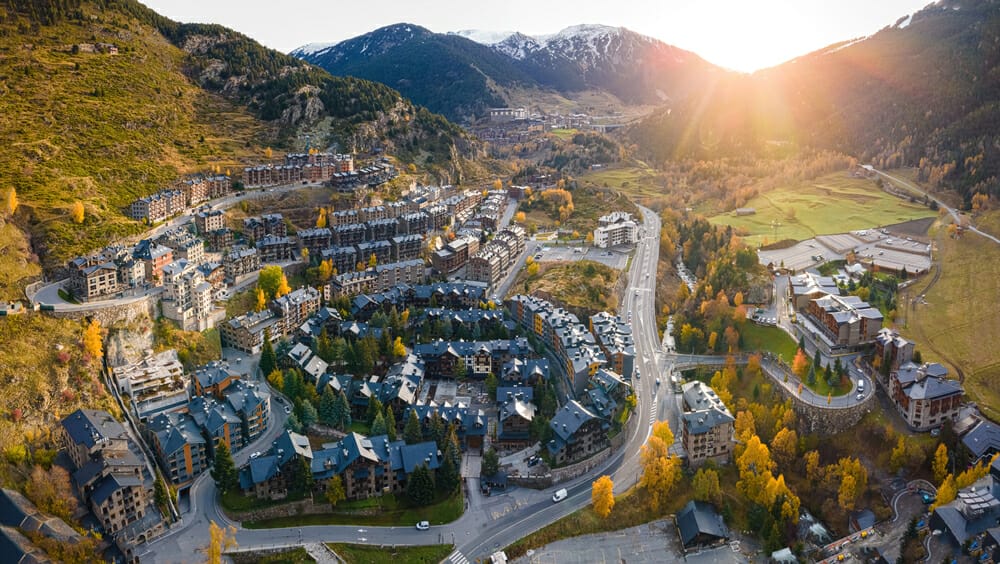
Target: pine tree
x=328 y=407
x=437 y=430
x=268 y=360
x=224 y=470
x=342 y=419
x=491 y=463
x=412 y=433
x=816 y=359
x=374 y=410
x=390 y=423
x=420 y=487
x=378 y=425
x=307 y=414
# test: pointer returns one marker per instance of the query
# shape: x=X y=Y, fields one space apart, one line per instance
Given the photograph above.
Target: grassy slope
x=364 y=554
x=589 y=203
x=637 y=181
x=829 y=204
x=42 y=382
x=575 y=284
x=146 y=124
x=954 y=327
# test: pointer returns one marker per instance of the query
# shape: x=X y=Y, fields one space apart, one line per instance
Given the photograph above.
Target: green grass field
x=830 y=204
x=638 y=181
x=958 y=326
x=564 y=134
x=364 y=554
x=762 y=338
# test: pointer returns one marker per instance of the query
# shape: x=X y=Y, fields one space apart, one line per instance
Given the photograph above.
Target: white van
x=560 y=495
x=861 y=385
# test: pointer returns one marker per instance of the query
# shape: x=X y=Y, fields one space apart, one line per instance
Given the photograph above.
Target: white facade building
x=616 y=228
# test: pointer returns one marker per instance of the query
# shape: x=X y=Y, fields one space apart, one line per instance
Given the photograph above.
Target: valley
x=485 y=297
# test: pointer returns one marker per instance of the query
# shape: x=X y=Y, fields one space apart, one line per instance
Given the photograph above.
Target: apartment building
x=187 y=297
x=708 y=432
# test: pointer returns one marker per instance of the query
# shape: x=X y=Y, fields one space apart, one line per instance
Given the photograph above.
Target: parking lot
x=615 y=258
x=652 y=542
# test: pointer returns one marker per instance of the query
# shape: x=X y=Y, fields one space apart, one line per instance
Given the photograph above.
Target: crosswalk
x=457 y=558
x=652 y=412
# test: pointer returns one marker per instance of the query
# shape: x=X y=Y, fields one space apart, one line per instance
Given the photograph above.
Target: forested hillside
x=925 y=92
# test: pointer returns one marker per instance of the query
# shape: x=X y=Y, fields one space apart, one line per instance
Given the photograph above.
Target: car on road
x=861 y=397
x=560 y=495
x=288 y=409
x=423 y=525
x=935 y=431
x=534 y=460
x=255 y=455
x=279 y=399
x=657 y=380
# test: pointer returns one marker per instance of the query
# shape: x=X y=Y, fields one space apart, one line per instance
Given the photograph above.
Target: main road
x=488 y=523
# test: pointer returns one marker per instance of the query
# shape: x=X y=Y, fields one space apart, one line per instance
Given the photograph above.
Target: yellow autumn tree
x=533 y=269
x=946 y=492
x=261 y=300
x=498 y=184
x=940 y=464
x=283 y=287
x=11 y=201
x=305 y=255
x=268 y=153
x=755 y=466
x=321 y=220
x=705 y=486
x=784 y=446
x=325 y=270
x=92 y=343
x=372 y=261
x=813 y=469
x=219 y=539
x=847 y=493
x=77 y=212
x=398 y=348
x=974 y=474
x=520 y=217
x=602 y=496
x=660 y=471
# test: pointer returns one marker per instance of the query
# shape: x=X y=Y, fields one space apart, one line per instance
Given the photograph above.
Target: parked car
x=288 y=409
x=534 y=460
x=255 y=455
x=423 y=526
x=560 y=495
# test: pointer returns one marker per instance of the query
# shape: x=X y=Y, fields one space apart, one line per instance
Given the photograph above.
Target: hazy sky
x=739 y=34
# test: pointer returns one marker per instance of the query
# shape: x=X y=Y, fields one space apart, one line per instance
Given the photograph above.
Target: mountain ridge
x=634 y=67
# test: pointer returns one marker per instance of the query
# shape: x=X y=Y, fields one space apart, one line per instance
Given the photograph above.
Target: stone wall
x=116 y=314
x=827 y=420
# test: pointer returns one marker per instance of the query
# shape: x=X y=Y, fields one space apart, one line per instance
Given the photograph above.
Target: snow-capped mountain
x=369 y=45
x=432 y=68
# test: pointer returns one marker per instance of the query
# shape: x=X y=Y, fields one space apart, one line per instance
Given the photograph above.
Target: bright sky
x=743 y=35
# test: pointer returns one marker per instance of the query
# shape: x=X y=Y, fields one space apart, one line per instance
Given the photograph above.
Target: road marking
x=458 y=558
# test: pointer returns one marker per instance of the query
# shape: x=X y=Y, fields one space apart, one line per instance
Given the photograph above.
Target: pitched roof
x=699 y=518
x=111 y=483
x=89 y=426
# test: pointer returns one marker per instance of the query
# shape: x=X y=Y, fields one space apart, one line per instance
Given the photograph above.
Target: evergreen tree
x=378 y=425
x=491 y=463
x=328 y=407
x=342 y=418
x=811 y=378
x=292 y=424
x=411 y=431
x=802 y=342
x=437 y=430
x=307 y=414
x=491 y=385
x=420 y=487
x=448 y=475
x=268 y=360
x=224 y=470
x=302 y=478
x=390 y=423
x=374 y=409
x=816 y=359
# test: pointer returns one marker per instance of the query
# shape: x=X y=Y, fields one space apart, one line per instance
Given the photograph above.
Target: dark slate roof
x=865 y=519
x=289 y=444
x=699 y=518
x=14 y=508
x=703 y=421
x=16 y=548
x=258 y=471
x=174 y=430
x=983 y=439
x=508 y=393
x=213 y=373
x=111 y=483
x=569 y=419
x=88 y=426
x=425 y=453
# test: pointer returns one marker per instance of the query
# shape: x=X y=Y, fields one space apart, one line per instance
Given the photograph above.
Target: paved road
x=955 y=215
